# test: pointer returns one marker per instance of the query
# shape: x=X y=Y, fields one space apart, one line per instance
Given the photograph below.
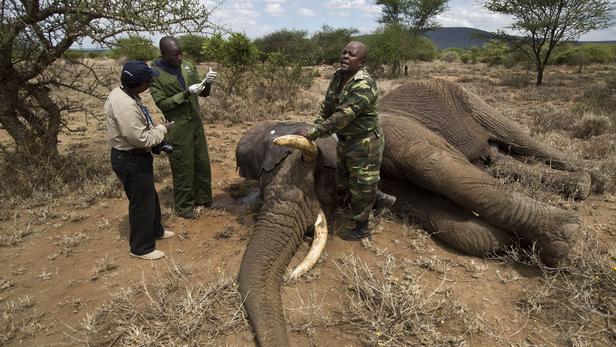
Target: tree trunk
x=33 y=136
x=539 y=75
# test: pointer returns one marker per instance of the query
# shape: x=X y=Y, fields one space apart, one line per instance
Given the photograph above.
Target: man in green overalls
x=350 y=111
x=175 y=91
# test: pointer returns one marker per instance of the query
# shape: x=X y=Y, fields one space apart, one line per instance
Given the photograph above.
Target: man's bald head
x=362 y=49
x=353 y=57
x=170 y=50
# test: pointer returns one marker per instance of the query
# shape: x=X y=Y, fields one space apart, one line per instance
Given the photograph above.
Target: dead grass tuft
x=170 y=312
x=103 y=265
x=581 y=295
x=14 y=234
x=19 y=320
x=389 y=307
x=69 y=242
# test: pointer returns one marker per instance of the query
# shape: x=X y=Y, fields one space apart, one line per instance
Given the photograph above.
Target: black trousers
x=136 y=172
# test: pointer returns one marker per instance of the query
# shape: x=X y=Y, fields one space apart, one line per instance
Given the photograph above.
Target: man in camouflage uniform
x=175 y=91
x=350 y=111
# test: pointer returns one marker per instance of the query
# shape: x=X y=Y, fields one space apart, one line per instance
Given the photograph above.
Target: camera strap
x=144 y=110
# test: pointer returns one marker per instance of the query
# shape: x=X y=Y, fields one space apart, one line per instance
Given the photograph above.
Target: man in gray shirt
x=132 y=134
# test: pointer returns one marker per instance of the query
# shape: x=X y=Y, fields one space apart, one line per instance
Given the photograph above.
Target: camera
x=164 y=146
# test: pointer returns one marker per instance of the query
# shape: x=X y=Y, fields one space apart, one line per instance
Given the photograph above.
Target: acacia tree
x=35 y=33
x=546 y=24
x=416 y=15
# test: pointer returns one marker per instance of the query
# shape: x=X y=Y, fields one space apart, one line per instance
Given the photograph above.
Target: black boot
x=383 y=201
x=356 y=234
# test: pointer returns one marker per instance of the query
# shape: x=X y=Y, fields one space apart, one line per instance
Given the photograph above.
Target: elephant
x=439 y=140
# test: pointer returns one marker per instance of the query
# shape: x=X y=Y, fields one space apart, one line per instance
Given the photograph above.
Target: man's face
x=172 y=55
x=352 y=58
x=142 y=87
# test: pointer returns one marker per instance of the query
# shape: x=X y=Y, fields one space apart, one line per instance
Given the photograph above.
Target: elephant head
x=296 y=186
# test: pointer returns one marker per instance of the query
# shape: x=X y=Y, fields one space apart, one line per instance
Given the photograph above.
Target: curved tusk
x=317 y=247
x=308 y=148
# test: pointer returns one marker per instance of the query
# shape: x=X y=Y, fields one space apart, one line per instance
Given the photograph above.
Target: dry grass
x=19 y=320
x=388 y=306
x=264 y=94
x=14 y=234
x=83 y=177
x=69 y=242
x=172 y=311
x=578 y=300
x=103 y=265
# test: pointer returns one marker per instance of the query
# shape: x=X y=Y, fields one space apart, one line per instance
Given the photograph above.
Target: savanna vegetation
x=61 y=205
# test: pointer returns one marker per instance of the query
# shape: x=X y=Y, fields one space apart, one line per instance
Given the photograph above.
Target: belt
x=134 y=151
x=376 y=133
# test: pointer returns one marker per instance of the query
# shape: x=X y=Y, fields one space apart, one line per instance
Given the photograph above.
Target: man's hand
x=167 y=125
x=210 y=77
x=195 y=88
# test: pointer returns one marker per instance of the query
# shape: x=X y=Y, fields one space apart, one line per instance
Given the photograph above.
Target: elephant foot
x=554 y=248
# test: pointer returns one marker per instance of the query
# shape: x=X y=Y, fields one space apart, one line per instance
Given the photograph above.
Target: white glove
x=195 y=88
x=210 y=76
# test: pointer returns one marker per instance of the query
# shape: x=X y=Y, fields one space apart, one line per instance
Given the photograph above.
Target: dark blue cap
x=135 y=72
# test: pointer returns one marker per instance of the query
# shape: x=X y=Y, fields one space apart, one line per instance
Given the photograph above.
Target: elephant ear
x=256 y=150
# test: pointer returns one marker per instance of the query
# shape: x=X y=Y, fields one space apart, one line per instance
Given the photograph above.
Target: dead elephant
x=438 y=140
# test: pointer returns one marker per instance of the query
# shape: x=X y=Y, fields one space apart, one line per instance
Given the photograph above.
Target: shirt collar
x=359 y=75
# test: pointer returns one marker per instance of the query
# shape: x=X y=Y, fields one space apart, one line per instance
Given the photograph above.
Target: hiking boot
x=154 y=255
x=188 y=215
x=383 y=201
x=356 y=234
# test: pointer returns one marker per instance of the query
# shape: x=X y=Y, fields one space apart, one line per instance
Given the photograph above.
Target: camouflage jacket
x=351 y=111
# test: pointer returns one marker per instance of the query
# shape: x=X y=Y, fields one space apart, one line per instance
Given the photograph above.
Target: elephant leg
x=446 y=220
x=512 y=139
x=414 y=153
x=572 y=184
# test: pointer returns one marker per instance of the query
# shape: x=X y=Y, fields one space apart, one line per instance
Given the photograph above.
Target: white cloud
x=306 y=12
x=473 y=16
x=360 y=5
x=238 y=15
x=275 y=9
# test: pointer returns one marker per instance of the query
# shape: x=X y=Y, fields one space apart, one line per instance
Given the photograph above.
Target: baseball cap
x=135 y=72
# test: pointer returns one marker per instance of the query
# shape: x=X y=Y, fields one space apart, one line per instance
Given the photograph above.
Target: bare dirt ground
x=69 y=279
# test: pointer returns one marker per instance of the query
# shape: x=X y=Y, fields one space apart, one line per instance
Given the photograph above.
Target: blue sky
x=259 y=17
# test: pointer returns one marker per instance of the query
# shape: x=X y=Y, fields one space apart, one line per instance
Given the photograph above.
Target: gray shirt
x=128 y=127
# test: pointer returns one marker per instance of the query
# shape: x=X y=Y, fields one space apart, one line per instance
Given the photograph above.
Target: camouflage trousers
x=357 y=172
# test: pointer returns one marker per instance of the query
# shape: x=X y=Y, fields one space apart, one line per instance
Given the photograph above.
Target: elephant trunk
x=290 y=207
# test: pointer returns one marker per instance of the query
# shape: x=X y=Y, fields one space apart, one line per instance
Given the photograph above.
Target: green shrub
x=235 y=53
x=293 y=44
x=450 y=56
x=494 y=53
x=134 y=47
x=192 y=47
x=73 y=54
x=585 y=54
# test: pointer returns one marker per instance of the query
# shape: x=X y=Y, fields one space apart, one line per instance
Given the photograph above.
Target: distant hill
x=458 y=37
